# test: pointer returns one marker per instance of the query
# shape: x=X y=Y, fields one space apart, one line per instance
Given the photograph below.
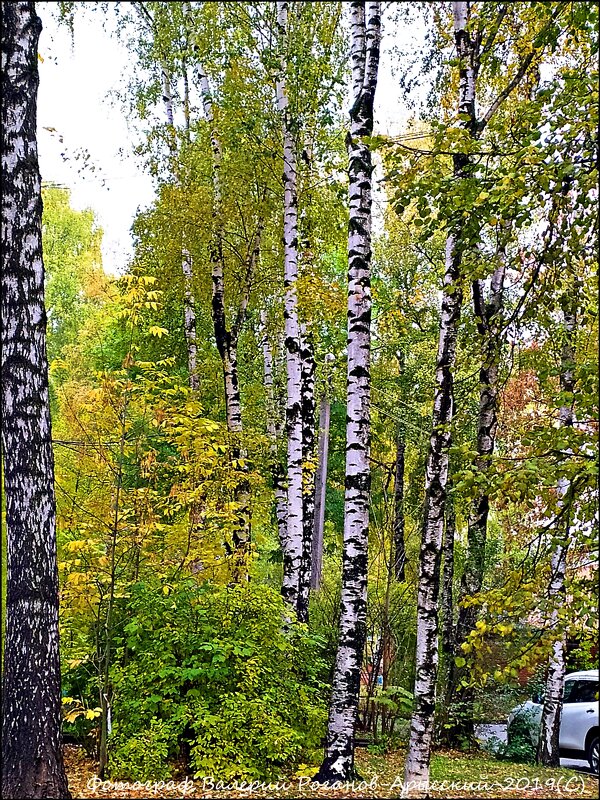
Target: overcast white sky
x=76 y=78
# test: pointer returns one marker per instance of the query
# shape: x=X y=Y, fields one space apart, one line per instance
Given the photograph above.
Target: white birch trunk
x=277 y=474
x=32 y=761
x=189 y=319
x=548 y=747
x=338 y=763
x=436 y=478
x=292 y=559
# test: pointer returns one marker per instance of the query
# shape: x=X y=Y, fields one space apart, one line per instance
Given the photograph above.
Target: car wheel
x=593 y=754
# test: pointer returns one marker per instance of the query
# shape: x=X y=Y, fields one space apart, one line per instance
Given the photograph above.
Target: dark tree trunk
x=399 y=547
x=32 y=763
x=308 y=482
x=339 y=755
x=320 y=493
x=447 y=608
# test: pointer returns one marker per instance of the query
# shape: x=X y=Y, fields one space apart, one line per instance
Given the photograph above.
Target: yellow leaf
x=155 y=330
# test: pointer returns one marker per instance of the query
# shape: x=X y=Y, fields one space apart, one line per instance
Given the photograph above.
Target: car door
x=579 y=714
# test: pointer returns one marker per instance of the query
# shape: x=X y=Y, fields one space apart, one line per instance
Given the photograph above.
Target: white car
x=579 y=730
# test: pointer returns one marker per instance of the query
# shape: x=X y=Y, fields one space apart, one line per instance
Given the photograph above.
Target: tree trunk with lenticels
x=32 y=762
x=292 y=558
x=338 y=764
x=548 y=747
x=436 y=478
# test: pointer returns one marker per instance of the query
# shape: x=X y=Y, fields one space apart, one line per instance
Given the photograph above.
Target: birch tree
x=227 y=335
x=488 y=314
x=338 y=764
x=548 y=745
x=293 y=556
x=436 y=476
x=32 y=763
x=474 y=41
x=277 y=472
x=189 y=301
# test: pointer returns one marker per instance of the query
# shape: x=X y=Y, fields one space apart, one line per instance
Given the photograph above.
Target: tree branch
x=494 y=31
x=518 y=76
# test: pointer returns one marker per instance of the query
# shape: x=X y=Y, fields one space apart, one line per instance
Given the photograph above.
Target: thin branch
x=494 y=31
x=514 y=82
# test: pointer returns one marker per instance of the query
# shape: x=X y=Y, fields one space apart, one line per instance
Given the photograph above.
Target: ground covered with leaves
x=453 y=775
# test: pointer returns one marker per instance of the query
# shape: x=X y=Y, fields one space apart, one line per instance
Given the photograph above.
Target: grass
x=453 y=775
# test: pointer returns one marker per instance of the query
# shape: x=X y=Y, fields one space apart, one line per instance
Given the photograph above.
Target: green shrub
x=143 y=756
x=519 y=747
x=218 y=676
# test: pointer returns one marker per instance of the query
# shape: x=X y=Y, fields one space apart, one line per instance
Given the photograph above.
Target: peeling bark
x=422 y=723
x=338 y=764
x=292 y=558
x=548 y=747
x=32 y=762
